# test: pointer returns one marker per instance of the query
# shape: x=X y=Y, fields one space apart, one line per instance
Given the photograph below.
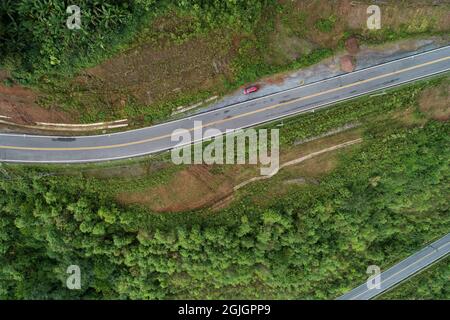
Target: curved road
x=52 y=149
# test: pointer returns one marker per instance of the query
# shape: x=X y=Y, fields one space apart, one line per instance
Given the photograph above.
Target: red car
x=251 y=89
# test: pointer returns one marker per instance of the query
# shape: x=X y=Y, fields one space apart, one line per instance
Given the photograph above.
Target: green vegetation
x=245 y=40
x=387 y=198
x=326 y=25
x=364 y=110
x=39 y=46
x=431 y=284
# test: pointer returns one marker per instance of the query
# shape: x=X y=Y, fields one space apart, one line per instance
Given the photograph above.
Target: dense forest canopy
x=386 y=199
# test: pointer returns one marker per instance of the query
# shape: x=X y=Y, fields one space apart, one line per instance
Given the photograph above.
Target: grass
x=326 y=25
x=313 y=124
x=399 y=107
x=434 y=102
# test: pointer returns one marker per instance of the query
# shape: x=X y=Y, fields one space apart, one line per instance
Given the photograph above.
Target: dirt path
x=199 y=187
x=297 y=161
x=225 y=200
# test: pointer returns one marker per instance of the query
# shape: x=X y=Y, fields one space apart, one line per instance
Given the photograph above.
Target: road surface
x=52 y=149
x=403 y=270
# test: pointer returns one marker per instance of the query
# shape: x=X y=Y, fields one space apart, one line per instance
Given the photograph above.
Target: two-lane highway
x=51 y=149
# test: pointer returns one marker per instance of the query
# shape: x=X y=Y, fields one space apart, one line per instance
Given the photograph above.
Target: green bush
x=326 y=25
x=36 y=43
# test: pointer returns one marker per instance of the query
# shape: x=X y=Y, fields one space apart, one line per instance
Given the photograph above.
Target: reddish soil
x=200 y=186
x=193 y=188
x=19 y=104
x=352 y=46
x=276 y=79
x=164 y=70
x=347 y=63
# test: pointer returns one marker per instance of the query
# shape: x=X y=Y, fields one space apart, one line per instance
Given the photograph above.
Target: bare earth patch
x=19 y=104
x=416 y=15
x=189 y=189
x=199 y=186
x=153 y=73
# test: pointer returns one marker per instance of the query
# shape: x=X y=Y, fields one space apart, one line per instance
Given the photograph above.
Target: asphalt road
x=51 y=149
x=403 y=270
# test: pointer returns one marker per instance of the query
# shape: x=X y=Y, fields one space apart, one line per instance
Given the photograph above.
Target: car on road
x=251 y=89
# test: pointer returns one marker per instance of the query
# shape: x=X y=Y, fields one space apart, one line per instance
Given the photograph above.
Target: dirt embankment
x=190 y=189
x=152 y=74
x=201 y=186
x=18 y=105
x=160 y=71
